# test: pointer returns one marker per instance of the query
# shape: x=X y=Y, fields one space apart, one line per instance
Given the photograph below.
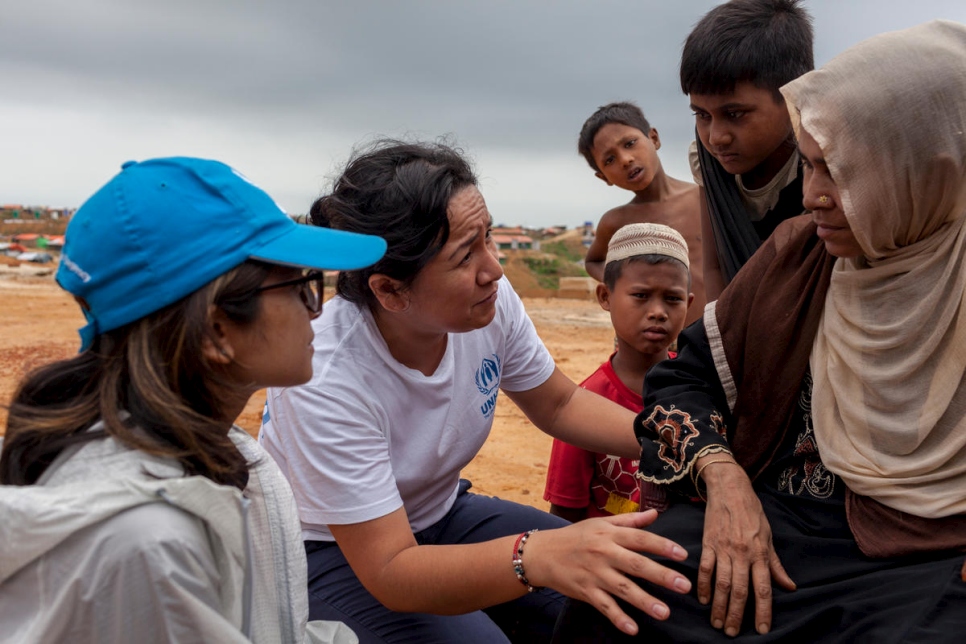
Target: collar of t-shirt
x=760 y=200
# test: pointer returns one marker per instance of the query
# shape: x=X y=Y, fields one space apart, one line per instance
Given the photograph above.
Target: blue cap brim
x=322 y=249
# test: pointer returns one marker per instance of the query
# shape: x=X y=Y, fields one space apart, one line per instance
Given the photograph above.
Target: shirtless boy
x=621 y=147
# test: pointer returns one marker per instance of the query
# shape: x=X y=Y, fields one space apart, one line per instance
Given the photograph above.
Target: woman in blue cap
x=133 y=509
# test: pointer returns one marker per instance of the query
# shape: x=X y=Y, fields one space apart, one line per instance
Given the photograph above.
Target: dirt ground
x=39 y=322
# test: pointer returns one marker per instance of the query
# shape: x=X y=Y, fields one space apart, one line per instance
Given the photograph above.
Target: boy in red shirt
x=647 y=291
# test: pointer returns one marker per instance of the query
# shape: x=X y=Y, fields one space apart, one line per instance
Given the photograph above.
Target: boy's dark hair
x=614 y=270
x=624 y=112
x=765 y=42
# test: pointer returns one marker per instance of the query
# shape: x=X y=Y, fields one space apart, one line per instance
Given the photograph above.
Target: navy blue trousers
x=335 y=593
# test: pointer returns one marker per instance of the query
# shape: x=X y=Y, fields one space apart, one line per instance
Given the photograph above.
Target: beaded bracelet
x=518 y=559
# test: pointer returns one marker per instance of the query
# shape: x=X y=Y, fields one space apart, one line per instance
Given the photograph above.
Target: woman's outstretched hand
x=591 y=560
x=737 y=552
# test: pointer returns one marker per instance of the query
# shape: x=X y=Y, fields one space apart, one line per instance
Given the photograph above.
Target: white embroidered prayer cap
x=647 y=239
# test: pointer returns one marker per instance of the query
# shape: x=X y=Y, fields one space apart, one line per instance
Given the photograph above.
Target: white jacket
x=115 y=545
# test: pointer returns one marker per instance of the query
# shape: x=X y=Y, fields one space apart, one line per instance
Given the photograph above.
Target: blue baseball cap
x=161 y=229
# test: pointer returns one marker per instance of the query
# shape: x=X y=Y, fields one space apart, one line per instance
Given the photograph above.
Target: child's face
x=744 y=129
x=647 y=305
x=627 y=157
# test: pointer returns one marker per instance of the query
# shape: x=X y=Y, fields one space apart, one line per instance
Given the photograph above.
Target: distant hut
x=513 y=242
x=30 y=240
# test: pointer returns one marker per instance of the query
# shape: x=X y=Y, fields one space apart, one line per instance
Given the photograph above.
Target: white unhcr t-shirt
x=368 y=435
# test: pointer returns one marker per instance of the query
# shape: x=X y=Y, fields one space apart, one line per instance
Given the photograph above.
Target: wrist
x=715 y=470
x=711 y=470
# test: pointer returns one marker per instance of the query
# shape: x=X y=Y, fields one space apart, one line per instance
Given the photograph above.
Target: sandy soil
x=39 y=322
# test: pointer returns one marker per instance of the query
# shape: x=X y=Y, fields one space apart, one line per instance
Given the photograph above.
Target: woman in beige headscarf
x=820 y=410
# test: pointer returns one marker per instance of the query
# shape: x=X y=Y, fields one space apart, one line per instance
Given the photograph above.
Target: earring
x=824 y=200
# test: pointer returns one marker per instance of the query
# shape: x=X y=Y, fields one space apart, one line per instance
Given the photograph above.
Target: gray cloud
x=282 y=90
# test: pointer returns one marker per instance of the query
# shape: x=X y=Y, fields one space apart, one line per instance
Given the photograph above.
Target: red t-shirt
x=602 y=483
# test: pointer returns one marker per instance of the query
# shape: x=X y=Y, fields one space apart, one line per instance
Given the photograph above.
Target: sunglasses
x=311 y=291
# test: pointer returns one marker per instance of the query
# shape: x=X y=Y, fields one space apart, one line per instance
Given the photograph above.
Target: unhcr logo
x=488 y=382
x=75 y=269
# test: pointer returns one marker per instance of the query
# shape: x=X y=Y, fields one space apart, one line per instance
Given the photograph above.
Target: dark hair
x=624 y=112
x=148 y=381
x=765 y=42
x=401 y=192
x=614 y=270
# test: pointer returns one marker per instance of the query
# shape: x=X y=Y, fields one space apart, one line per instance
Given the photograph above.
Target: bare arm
x=597 y=253
x=456 y=579
x=579 y=417
x=599 y=553
x=405 y=576
x=713 y=280
x=594 y=268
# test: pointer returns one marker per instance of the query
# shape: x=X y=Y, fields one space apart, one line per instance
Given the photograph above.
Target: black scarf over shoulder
x=736 y=236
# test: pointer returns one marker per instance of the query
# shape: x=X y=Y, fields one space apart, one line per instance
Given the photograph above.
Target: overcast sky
x=283 y=90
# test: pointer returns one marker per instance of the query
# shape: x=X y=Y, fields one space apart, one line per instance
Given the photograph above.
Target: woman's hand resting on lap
x=737 y=552
x=590 y=561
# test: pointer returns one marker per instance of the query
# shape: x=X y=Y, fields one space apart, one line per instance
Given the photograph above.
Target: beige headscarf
x=889 y=399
